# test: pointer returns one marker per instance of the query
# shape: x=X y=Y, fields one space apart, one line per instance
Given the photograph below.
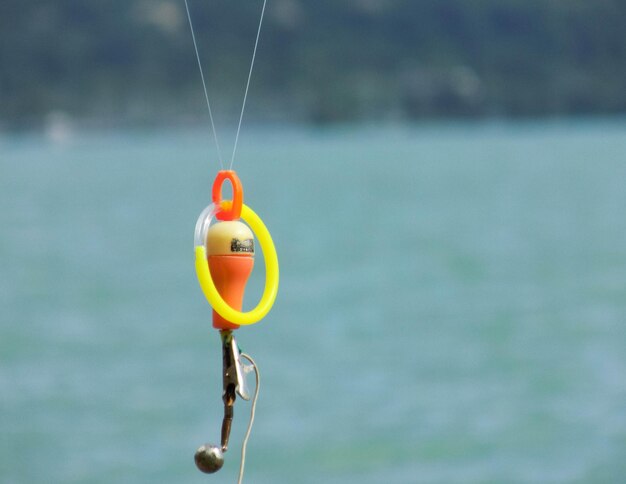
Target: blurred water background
x=444 y=182
x=452 y=305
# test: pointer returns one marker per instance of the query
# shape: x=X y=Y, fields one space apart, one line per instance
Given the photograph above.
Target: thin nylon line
x=252 y=411
x=245 y=96
x=206 y=95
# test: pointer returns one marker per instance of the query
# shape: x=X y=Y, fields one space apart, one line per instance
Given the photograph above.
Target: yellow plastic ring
x=271 y=276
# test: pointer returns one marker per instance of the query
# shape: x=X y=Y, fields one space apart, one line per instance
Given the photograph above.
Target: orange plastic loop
x=233 y=212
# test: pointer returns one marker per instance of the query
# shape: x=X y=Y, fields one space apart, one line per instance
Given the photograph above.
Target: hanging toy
x=224 y=260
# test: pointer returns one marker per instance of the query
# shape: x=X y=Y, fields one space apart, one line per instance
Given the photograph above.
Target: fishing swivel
x=224 y=261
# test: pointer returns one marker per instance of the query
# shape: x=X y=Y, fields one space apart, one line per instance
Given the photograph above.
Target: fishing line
x=206 y=94
x=245 y=96
x=252 y=412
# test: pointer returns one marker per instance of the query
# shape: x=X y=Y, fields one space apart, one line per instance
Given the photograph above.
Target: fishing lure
x=224 y=261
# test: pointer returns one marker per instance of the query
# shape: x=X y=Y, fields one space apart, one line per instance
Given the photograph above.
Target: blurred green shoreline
x=132 y=62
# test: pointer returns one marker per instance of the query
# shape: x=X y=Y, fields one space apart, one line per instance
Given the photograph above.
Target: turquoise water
x=452 y=307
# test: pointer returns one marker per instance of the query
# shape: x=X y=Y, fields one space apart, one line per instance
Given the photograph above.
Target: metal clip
x=233 y=371
x=233 y=380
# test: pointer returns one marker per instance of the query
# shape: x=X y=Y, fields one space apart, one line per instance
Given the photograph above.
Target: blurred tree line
x=321 y=60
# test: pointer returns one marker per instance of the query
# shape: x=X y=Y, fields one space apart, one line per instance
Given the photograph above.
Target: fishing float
x=224 y=259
